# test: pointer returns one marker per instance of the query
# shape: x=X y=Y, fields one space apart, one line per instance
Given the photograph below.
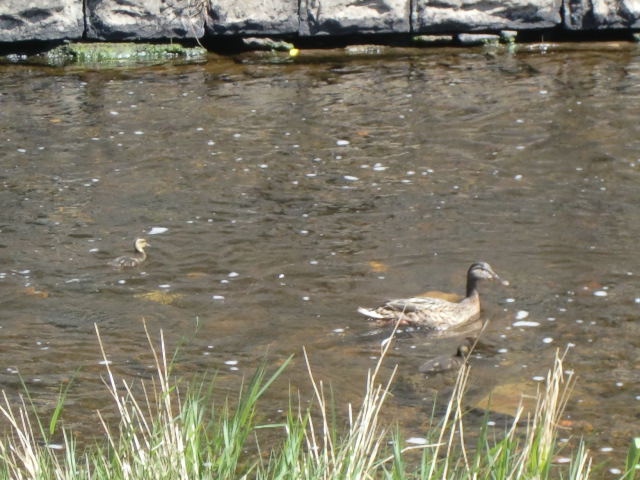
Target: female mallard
x=138 y=256
x=435 y=313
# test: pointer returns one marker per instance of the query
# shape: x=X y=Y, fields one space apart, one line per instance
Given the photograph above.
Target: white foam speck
x=562 y=460
x=547 y=340
x=231 y=362
x=600 y=293
x=416 y=440
x=351 y=178
x=218 y=297
x=306 y=299
x=157 y=230
x=338 y=330
x=524 y=323
x=105 y=362
x=233 y=274
x=606 y=449
x=342 y=143
x=522 y=314
x=509 y=300
x=538 y=379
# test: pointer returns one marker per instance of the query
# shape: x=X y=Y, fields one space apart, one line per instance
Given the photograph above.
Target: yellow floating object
x=293 y=52
x=377 y=266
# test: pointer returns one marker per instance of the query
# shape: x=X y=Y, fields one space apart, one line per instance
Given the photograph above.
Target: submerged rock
x=432 y=40
x=258 y=43
x=471 y=39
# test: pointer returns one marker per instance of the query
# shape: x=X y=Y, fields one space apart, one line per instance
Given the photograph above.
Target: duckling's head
x=140 y=244
x=483 y=271
x=464 y=348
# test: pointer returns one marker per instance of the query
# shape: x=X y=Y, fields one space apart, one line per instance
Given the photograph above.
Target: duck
x=436 y=313
x=446 y=362
x=138 y=257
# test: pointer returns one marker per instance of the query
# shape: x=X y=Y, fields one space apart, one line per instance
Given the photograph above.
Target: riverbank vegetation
x=170 y=433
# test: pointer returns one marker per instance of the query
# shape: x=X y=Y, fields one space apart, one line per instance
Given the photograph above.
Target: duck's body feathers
x=432 y=312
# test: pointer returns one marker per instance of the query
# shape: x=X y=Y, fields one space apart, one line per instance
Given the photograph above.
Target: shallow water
x=279 y=198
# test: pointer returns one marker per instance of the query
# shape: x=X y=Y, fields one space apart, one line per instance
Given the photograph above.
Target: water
x=279 y=198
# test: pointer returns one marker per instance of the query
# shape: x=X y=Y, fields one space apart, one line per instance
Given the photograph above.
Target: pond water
x=277 y=198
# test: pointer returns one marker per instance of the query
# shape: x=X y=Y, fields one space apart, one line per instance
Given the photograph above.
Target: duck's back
x=428 y=312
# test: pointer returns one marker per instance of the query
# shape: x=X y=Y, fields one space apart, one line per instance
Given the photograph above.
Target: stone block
x=341 y=17
x=253 y=17
x=119 y=20
x=22 y=20
x=482 y=15
x=601 y=14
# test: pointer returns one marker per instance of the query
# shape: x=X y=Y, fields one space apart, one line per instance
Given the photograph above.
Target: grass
x=162 y=433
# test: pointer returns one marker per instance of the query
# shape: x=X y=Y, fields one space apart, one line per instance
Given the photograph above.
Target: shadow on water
x=279 y=198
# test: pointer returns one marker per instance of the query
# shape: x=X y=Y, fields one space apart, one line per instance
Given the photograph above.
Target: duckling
x=435 y=313
x=138 y=257
x=445 y=362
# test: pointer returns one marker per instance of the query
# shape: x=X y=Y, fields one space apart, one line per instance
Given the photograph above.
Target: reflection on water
x=285 y=196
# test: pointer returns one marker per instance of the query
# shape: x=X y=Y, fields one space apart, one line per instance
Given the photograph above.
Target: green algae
x=127 y=53
x=111 y=54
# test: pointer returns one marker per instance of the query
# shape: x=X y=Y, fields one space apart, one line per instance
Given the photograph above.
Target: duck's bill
x=499 y=280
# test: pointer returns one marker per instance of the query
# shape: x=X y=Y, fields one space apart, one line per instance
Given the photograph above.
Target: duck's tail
x=370 y=313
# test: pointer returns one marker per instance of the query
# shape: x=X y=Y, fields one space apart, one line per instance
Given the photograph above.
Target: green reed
x=162 y=433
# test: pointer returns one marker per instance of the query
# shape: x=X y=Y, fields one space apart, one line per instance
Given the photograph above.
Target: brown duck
x=435 y=313
x=134 y=260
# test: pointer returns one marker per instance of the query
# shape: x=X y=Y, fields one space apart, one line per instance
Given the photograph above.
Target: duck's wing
x=124 y=262
x=417 y=304
x=410 y=309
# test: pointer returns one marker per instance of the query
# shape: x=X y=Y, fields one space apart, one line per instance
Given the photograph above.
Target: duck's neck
x=472 y=287
x=141 y=255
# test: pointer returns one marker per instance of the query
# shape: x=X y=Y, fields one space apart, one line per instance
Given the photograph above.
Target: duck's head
x=140 y=244
x=483 y=271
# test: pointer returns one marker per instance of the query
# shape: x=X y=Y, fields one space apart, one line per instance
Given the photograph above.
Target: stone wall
x=120 y=20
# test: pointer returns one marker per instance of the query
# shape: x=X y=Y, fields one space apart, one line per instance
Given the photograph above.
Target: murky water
x=279 y=198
